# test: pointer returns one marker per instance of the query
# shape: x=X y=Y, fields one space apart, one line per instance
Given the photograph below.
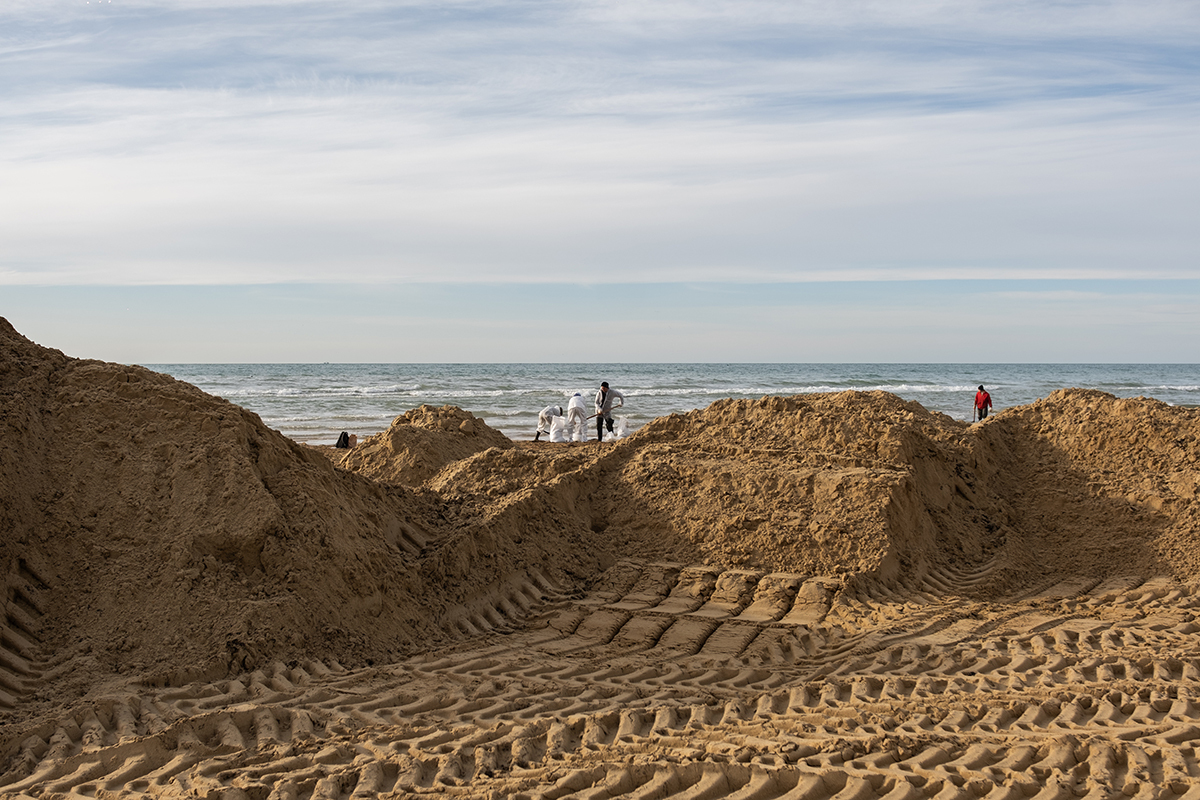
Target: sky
x=563 y=180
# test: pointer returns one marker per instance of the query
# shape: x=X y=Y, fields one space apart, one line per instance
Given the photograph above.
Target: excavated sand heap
x=1094 y=485
x=833 y=484
x=169 y=530
x=420 y=442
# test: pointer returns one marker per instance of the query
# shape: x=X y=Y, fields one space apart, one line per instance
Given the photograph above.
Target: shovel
x=614 y=408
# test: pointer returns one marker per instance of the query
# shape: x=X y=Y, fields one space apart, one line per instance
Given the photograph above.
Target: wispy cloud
x=228 y=142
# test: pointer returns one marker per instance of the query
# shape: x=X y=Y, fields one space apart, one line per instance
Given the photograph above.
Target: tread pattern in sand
x=21 y=658
x=509 y=606
x=676 y=681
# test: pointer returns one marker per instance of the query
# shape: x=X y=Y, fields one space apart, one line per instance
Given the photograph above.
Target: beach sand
x=821 y=596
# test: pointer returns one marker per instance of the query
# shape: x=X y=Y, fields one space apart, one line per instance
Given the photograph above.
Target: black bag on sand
x=343 y=441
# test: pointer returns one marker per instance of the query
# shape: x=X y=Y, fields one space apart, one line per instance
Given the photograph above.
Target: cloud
x=225 y=142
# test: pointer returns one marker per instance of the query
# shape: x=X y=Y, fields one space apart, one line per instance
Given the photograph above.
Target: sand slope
x=818 y=596
x=419 y=442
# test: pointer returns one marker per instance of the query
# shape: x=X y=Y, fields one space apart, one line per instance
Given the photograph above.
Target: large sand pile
x=153 y=535
x=170 y=528
x=1095 y=483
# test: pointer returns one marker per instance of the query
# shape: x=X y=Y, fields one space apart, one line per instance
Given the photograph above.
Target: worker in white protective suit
x=606 y=400
x=545 y=417
x=577 y=418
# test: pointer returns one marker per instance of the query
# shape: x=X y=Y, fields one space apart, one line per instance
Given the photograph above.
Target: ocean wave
x=784 y=391
x=456 y=393
x=319 y=391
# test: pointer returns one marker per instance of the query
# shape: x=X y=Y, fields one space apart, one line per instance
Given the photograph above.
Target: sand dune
x=818 y=596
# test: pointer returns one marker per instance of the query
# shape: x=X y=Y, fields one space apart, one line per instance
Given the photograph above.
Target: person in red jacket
x=983 y=401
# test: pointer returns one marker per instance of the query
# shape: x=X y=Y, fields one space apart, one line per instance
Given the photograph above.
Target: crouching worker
x=577 y=418
x=545 y=417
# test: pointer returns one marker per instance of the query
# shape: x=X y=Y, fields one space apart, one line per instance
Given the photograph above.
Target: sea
x=314 y=403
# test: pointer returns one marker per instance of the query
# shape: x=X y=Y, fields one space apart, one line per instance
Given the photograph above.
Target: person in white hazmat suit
x=545 y=417
x=577 y=418
x=604 y=406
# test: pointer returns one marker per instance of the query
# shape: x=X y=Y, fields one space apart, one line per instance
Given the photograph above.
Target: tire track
x=21 y=657
x=675 y=681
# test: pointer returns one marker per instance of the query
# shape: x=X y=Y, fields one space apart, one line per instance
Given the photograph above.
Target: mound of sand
x=420 y=442
x=1092 y=484
x=174 y=531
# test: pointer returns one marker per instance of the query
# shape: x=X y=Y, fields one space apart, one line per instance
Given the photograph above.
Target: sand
x=839 y=595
